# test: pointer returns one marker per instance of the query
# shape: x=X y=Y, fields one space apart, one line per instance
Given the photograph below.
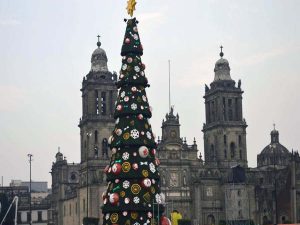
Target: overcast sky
x=45 y=50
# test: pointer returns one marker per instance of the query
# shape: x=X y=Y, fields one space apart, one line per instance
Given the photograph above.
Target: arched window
x=232 y=150
x=210 y=220
x=96 y=136
x=212 y=151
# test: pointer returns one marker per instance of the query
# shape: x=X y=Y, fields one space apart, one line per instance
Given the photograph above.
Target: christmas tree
x=133 y=194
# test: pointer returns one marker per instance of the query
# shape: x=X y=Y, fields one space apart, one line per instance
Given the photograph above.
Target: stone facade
x=221 y=187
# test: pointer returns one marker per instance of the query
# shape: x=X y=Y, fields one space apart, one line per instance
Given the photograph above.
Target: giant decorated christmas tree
x=133 y=194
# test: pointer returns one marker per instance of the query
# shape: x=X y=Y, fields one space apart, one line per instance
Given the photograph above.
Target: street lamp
x=30 y=160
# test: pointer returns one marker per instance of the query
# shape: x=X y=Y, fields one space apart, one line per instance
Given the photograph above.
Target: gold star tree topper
x=130 y=7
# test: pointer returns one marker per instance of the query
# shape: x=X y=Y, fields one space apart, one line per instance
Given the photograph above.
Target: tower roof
x=222 y=69
x=99 y=59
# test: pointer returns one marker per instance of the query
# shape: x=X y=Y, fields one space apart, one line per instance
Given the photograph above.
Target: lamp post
x=30 y=160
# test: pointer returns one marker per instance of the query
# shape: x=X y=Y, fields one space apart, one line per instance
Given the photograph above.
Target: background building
x=221 y=187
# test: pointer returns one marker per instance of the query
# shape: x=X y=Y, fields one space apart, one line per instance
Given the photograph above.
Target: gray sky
x=46 y=47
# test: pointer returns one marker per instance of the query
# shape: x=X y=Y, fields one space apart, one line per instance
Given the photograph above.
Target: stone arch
x=211 y=220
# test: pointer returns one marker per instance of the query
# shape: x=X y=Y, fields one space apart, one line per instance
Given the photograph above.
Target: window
x=230 y=112
x=232 y=150
x=83 y=203
x=239 y=203
x=224 y=109
x=19 y=218
x=28 y=217
x=225 y=139
x=40 y=218
x=240 y=140
x=236 y=109
x=97 y=102
x=70 y=210
x=64 y=210
x=225 y=153
x=239 y=193
x=212 y=152
x=241 y=156
x=96 y=136
x=213 y=111
x=103 y=103
x=76 y=205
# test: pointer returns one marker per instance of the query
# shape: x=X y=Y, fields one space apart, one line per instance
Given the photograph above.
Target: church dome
x=222 y=69
x=274 y=153
x=99 y=59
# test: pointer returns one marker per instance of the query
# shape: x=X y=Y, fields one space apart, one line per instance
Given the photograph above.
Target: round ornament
x=133 y=106
x=110 y=139
x=143 y=151
x=145 y=173
x=118 y=132
x=137 y=69
x=146 y=183
x=113 y=150
x=126 y=167
x=125 y=156
x=119 y=107
x=114 y=199
x=116 y=168
x=136 y=200
x=133 y=89
x=135 y=29
x=126 y=98
x=126 y=200
x=126 y=136
x=134 y=133
x=122 y=194
x=136 y=37
x=126 y=184
x=135 y=189
x=125 y=213
x=140 y=116
x=127 y=40
x=165 y=221
x=135 y=166
x=124 y=66
x=153 y=151
x=129 y=60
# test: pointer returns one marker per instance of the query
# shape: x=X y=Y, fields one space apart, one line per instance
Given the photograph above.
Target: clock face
x=73 y=177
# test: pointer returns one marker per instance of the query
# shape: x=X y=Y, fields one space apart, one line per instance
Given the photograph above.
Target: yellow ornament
x=114 y=218
x=130 y=7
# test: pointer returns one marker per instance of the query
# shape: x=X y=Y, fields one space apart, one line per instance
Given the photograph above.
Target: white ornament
x=152 y=167
x=122 y=94
x=148 y=135
x=136 y=200
x=125 y=156
x=137 y=69
x=134 y=133
x=126 y=184
x=143 y=151
x=133 y=106
x=144 y=98
x=124 y=67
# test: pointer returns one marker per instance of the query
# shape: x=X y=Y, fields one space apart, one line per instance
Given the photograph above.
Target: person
x=175 y=216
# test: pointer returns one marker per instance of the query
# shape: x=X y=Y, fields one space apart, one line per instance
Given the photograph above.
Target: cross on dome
x=98 y=43
x=221 y=53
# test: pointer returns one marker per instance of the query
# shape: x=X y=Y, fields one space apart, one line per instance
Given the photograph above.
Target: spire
x=98 y=42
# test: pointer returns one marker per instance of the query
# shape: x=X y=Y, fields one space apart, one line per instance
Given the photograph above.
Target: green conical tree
x=133 y=178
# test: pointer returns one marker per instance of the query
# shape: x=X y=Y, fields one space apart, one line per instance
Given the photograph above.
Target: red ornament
x=116 y=168
x=164 y=221
x=119 y=107
x=146 y=183
x=114 y=198
x=153 y=151
x=140 y=116
x=106 y=169
x=127 y=40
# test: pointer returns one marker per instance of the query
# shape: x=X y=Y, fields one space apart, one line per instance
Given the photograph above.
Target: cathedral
x=217 y=189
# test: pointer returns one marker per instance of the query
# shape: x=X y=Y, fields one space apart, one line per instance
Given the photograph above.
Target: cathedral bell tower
x=99 y=94
x=225 y=127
